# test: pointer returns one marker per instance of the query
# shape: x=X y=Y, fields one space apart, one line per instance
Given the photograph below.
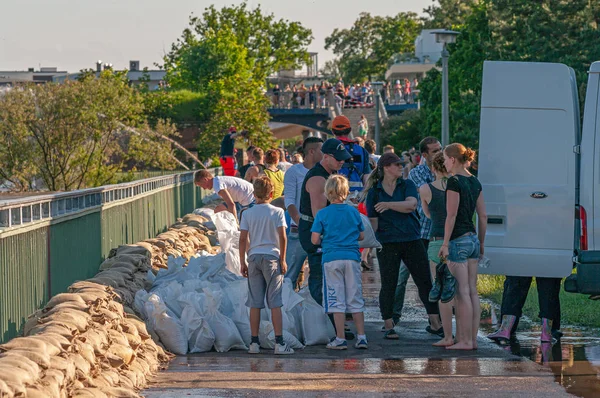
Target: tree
x=448 y=13
x=271 y=44
x=71 y=135
x=403 y=131
x=331 y=70
x=365 y=49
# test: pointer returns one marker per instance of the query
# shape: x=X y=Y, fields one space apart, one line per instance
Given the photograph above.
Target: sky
x=74 y=34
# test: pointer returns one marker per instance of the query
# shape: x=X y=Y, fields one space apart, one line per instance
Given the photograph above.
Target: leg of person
x=271 y=270
x=294 y=257
x=364 y=259
x=257 y=288
x=415 y=258
x=355 y=304
x=513 y=299
x=473 y=268
x=460 y=250
x=549 y=300
x=389 y=267
x=334 y=301
x=400 y=292
x=315 y=278
x=445 y=314
x=556 y=318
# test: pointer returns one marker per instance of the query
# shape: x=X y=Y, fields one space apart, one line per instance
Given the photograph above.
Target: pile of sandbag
x=89 y=342
x=199 y=304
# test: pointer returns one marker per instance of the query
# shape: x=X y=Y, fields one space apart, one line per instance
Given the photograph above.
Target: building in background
x=410 y=66
x=43 y=75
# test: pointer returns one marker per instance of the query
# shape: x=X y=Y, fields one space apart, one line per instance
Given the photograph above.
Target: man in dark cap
x=312 y=199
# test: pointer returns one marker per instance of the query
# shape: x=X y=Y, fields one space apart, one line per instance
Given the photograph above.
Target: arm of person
x=425 y=193
x=481 y=221
x=242 y=246
x=406 y=206
x=315 y=238
x=361 y=236
x=251 y=174
x=371 y=212
x=282 y=248
x=224 y=194
x=289 y=191
x=315 y=186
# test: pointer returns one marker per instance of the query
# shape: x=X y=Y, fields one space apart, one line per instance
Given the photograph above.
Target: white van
x=540 y=172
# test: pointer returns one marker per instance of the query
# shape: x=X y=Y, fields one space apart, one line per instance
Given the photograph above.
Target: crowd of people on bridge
x=354 y=95
x=420 y=205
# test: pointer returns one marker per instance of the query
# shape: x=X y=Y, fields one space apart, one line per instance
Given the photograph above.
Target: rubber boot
x=436 y=291
x=546 y=336
x=502 y=335
x=448 y=285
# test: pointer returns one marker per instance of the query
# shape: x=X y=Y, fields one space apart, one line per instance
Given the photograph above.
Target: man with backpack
x=358 y=167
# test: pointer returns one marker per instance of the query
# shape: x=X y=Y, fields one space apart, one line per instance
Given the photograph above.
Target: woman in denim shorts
x=433 y=200
x=462 y=248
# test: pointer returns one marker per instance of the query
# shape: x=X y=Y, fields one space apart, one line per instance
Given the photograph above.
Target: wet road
x=410 y=366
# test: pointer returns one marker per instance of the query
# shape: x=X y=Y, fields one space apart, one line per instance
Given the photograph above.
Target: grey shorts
x=264 y=280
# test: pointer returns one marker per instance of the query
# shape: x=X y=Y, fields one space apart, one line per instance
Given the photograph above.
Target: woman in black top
x=433 y=200
x=391 y=203
x=462 y=248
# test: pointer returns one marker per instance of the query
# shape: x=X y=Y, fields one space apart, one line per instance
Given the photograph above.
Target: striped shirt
x=421 y=175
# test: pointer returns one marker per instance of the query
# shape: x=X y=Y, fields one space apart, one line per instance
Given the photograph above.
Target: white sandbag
x=316 y=326
x=207 y=213
x=369 y=241
x=199 y=334
x=229 y=237
x=169 y=293
x=166 y=325
x=227 y=335
x=150 y=276
x=192 y=299
x=141 y=296
x=172 y=273
x=208 y=264
x=266 y=335
x=287 y=320
x=296 y=314
x=289 y=297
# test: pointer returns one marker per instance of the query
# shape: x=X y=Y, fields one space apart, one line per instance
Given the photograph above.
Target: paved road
x=408 y=367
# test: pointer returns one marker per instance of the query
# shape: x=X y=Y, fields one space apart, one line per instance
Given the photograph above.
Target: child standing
x=263 y=226
x=338 y=228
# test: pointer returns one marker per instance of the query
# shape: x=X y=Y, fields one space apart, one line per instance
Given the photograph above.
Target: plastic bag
x=266 y=335
x=227 y=335
x=316 y=326
x=199 y=334
x=169 y=293
x=208 y=213
x=229 y=238
x=166 y=325
x=369 y=241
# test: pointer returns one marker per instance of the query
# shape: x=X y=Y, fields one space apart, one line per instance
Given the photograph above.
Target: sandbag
x=197 y=330
x=166 y=325
x=266 y=335
x=229 y=238
x=369 y=240
x=227 y=335
x=316 y=326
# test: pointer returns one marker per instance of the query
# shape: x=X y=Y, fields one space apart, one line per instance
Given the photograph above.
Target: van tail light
x=583 y=238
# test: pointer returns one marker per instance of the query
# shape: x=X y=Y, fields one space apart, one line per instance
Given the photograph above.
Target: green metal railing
x=48 y=242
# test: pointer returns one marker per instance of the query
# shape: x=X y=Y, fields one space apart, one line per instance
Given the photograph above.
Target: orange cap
x=340 y=122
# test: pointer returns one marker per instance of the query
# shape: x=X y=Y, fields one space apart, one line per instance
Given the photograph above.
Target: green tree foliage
x=542 y=31
x=271 y=44
x=365 y=49
x=403 y=131
x=182 y=107
x=446 y=14
x=72 y=135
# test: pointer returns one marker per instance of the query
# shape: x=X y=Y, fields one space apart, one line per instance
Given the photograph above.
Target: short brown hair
x=272 y=156
x=263 y=187
x=425 y=142
x=336 y=188
x=258 y=153
x=370 y=146
x=388 y=148
x=202 y=174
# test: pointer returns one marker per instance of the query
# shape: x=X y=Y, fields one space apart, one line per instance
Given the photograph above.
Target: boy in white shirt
x=263 y=226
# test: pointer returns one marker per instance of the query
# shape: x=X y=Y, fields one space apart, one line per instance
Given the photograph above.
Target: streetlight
x=377 y=86
x=445 y=37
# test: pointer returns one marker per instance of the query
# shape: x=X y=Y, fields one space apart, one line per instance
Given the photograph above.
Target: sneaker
x=391 y=335
x=335 y=345
x=254 y=348
x=362 y=344
x=283 y=349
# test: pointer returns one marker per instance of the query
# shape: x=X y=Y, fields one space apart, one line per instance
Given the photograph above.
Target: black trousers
x=315 y=259
x=515 y=293
x=413 y=254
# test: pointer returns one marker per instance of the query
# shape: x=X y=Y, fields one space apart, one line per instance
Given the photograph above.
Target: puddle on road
x=574 y=360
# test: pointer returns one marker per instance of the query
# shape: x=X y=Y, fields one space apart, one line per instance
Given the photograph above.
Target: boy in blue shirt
x=338 y=228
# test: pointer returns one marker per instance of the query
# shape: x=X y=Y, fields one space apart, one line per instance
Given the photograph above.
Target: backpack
x=354 y=168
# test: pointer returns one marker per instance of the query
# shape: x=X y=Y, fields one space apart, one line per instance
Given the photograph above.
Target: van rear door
x=527 y=166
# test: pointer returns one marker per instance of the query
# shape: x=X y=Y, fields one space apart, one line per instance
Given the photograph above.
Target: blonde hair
x=438 y=163
x=336 y=188
x=460 y=153
x=263 y=187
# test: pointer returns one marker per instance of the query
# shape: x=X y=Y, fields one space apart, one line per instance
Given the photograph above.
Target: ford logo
x=538 y=195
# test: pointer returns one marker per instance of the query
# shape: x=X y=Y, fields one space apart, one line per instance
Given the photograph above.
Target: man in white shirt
x=292 y=182
x=238 y=194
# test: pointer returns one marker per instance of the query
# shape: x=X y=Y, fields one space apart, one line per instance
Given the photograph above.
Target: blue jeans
x=464 y=248
x=294 y=257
